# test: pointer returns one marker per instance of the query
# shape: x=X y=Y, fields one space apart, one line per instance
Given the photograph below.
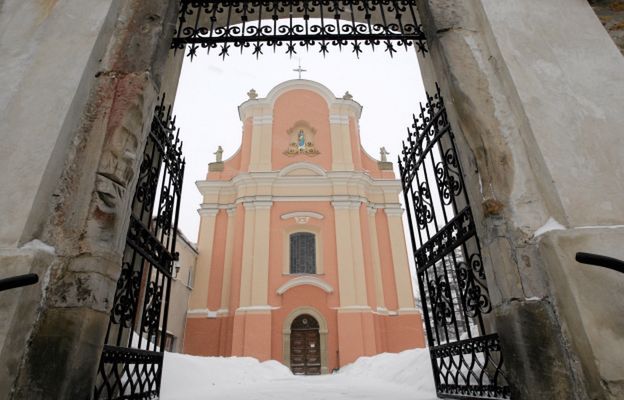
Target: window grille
x=302 y=253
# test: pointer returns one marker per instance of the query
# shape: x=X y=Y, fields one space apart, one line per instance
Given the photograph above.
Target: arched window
x=302 y=253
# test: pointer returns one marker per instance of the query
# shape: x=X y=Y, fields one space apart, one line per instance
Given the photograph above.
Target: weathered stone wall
x=538 y=101
x=81 y=112
x=611 y=14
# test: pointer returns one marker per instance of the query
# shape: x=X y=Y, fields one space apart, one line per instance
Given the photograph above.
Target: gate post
x=538 y=101
x=84 y=163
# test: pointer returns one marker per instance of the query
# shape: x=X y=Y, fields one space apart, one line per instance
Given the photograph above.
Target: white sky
x=211 y=89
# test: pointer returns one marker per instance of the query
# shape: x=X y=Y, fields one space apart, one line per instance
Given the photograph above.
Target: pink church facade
x=302 y=255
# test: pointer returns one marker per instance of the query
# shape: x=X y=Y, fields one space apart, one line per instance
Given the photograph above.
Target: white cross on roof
x=299 y=69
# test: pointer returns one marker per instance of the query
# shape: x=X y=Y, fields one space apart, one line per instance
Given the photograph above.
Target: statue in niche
x=301 y=140
x=384 y=154
x=219 y=154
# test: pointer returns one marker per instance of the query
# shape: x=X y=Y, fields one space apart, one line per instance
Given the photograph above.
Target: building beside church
x=302 y=255
x=181 y=288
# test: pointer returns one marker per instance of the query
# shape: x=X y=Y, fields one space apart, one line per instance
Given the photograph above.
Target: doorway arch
x=322 y=331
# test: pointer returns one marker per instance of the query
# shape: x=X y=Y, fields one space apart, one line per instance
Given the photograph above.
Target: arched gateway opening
x=461 y=334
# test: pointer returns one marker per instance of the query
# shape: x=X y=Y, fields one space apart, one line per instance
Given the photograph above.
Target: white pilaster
x=402 y=275
x=227 y=263
x=261 y=143
x=376 y=261
x=199 y=295
x=342 y=156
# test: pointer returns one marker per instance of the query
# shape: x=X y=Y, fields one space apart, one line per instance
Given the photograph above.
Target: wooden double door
x=305 y=346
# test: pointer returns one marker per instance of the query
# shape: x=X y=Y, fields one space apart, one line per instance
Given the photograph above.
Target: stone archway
x=286 y=334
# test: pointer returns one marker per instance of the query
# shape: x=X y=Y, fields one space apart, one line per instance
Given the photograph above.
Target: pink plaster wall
x=294 y=106
x=406 y=332
x=216 y=265
x=368 y=257
x=356 y=336
x=251 y=336
x=237 y=258
x=203 y=336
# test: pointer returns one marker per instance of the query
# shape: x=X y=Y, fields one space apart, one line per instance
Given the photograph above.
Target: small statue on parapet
x=384 y=154
x=219 y=154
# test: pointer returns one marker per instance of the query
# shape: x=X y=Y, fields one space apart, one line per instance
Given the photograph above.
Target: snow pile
x=190 y=377
x=410 y=368
x=402 y=376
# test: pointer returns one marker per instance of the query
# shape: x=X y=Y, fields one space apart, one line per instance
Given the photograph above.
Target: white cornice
x=275 y=177
x=258 y=202
x=339 y=119
x=336 y=186
x=255 y=202
x=205 y=312
x=345 y=204
x=210 y=210
x=353 y=308
x=305 y=280
x=393 y=210
x=259 y=309
x=263 y=120
x=409 y=310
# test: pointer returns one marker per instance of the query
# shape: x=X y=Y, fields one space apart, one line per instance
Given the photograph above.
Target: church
x=301 y=250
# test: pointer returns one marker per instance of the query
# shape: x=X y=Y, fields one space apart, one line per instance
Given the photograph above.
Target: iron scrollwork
x=423 y=206
x=212 y=24
x=153 y=303
x=441 y=301
x=471 y=279
x=126 y=295
x=447 y=175
x=465 y=351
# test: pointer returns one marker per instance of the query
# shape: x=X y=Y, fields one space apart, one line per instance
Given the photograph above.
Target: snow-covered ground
x=402 y=376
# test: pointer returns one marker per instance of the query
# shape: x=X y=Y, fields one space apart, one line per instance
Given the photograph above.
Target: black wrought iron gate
x=131 y=362
x=465 y=350
x=226 y=25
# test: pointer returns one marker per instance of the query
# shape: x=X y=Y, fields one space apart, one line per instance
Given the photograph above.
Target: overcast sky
x=211 y=89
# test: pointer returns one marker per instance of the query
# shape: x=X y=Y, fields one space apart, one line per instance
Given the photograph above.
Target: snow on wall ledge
x=402 y=376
